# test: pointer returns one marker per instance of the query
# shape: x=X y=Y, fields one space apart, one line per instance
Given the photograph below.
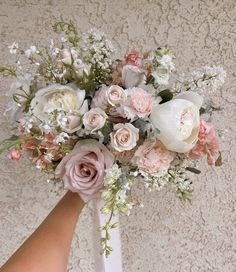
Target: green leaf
x=218 y=162
x=115 y=225
x=166 y=95
x=193 y=170
x=7 y=71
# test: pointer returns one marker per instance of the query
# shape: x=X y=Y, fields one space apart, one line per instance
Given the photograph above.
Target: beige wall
x=164 y=236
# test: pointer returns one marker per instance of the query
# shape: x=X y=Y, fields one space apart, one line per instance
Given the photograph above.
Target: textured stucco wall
x=164 y=236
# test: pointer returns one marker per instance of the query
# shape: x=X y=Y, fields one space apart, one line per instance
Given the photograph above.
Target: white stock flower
x=61 y=138
x=178 y=121
x=31 y=51
x=58 y=97
x=167 y=63
x=161 y=78
x=132 y=76
x=124 y=137
x=13 y=48
x=94 y=119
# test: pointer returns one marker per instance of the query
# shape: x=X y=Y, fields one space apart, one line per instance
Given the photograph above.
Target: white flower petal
x=192 y=97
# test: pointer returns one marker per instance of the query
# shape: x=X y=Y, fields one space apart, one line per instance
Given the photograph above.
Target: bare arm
x=47 y=249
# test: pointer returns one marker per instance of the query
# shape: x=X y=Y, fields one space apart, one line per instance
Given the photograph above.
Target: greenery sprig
x=69 y=29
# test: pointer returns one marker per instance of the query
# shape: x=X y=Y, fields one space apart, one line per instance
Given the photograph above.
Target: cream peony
x=67 y=98
x=178 y=121
x=124 y=137
x=94 y=119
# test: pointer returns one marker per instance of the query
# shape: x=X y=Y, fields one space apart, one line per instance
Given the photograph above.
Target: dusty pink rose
x=153 y=158
x=139 y=104
x=14 y=155
x=133 y=58
x=208 y=143
x=84 y=168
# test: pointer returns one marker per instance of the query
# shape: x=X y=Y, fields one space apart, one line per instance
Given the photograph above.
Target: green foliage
x=193 y=170
x=185 y=196
x=166 y=95
x=219 y=160
x=8 y=71
x=69 y=29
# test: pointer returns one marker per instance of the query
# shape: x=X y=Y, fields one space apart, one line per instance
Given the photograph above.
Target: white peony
x=132 y=76
x=178 y=121
x=67 y=98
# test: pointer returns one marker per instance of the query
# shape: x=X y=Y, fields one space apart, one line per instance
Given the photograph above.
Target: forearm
x=48 y=247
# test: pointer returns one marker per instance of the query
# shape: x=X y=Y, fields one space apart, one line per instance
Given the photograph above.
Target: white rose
x=116 y=95
x=94 y=119
x=132 y=76
x=66 y=98
x=178 y=121
x=124 y=137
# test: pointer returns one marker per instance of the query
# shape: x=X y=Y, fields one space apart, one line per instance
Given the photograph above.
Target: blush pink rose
x=208 y=143
x=14 y=155
x=100 y=99
x=133 y=58
x=153 y=158
x=83 y=170
x=139 y=104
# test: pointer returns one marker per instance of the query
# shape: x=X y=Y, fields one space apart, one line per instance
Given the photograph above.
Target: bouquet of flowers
x=98 y=125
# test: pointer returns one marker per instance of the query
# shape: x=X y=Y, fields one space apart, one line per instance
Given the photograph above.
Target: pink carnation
x=208 y=143
x=153 y=158
x=133 y=58
x=139 y=104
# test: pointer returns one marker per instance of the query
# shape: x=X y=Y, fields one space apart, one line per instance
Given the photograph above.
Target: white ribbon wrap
x=114 y=261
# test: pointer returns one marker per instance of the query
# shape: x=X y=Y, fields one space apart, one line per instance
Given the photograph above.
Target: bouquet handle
x=114 y=261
